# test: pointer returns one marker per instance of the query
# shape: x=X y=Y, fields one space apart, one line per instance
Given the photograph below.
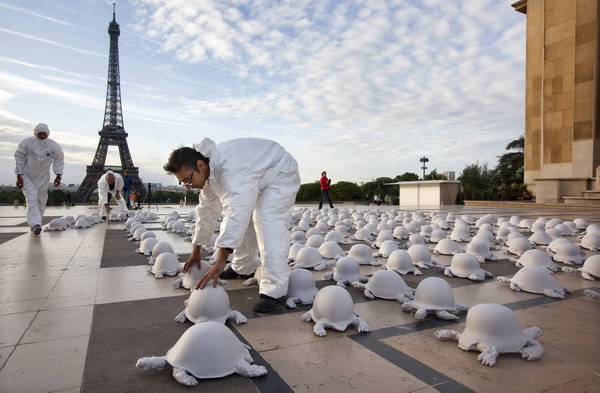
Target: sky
x=359 y=88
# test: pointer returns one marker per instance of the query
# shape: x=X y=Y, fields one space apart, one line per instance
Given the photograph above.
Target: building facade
x=562 y=141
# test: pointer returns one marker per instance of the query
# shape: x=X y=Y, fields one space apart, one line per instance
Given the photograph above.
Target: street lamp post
x=424 y=160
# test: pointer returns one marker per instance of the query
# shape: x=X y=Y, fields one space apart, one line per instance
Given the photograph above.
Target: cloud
x=50 y=42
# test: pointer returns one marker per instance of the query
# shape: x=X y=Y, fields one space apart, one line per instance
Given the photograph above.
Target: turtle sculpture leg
x=152 y=363
x=591 y=294
x=445 y=315
x=183 y=377
x=245 y=369
x=488 y=354
x=181 y=318
x=421 y=313
x=360 y=324
x=553 y=293
x=532 y=350
x=291 y=302
x=237 y=316
x=447 y=335
x=319 y=329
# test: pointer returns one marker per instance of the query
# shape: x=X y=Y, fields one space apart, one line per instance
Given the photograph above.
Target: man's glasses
x=188 y=181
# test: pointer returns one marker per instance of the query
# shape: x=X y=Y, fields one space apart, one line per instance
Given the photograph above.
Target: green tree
x=309 y=192
x=476 y=182
x=407 y=176
x=510 y=164
x=346 y=191
x=434 y=175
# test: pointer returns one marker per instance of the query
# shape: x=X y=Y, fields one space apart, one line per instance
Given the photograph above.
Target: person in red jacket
x=325 y=183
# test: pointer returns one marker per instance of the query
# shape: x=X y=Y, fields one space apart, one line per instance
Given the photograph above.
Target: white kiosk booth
x=427 y=192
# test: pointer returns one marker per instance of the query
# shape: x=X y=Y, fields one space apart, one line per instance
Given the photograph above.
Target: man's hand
x=57 y=181
x=108 y=209
x=19 y=181
x=216 y=269
x=194 y=259
x=117 y=195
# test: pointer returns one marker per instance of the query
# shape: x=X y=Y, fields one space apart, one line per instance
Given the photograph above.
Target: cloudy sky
x=360 y=88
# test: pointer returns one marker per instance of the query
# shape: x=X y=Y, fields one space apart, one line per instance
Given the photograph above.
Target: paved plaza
x=77 y=309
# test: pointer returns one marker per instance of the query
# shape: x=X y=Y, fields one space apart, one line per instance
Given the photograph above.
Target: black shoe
x=37 y=229
x=268 y=304
x=103 y=218
x=229 y=274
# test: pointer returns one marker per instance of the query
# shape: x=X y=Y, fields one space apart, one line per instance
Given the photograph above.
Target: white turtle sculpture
x=310 y=258
x=568 y=253
x=146 y=246
x=535 y=279
x=518 y=246
x=386 y=284
x=414 y=239
x=158 y=249
x=400 y=262
x=535 y=258
x=209 y=304
x=57 y=224
x=447 y=247
x=331 y=249
x=493 y=329
x=590 y=269
x=386 y=248
x=466 y=266
x=333 y=308
x=294 y=248
x=363 y=254
x=591 y=241
x=346 y=272
x=421 y=256
x=206 y=350
x=82 y=223
x=433 y=295
x=301 y=288
x=194 y=274
x=314 y=241
x=166 y=264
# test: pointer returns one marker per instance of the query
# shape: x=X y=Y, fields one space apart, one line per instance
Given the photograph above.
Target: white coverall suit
x=104 y=190
x=33 y=159
x=253 y=184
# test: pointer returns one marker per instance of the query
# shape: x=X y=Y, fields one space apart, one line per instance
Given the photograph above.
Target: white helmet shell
x=82 y=223
x=591 y=241
x=347 y=269
x=166 y=263
x=535 y=279
x=492 y=324
x=308 y=257
x=426 y=231
x=147 y=235
x=147 y=245
x=581 y=223
x=334 y=236
x=591 y=266
x=568 y=253
x=434 y=293
x=553 y=222
x=302 y=286
x=540 y=238
x=314 y=241
x=416 y=239
x=419 y=253
x=399 y=261
x=207 y=350
x=437 y=235
x=554 y=243
x=400 y=232
x=383 y=236
x=363 y=235
x=193 y=275
x=463 y=265
x=330 y=249
x=299 y=237
x=137 y=235
x=447 y=247
x=70 y=220
x=208 y=304
x=387 y=284
x=387 y=247
x=178 y=227
x=294 y=248
x=459 y=235
x=159 y=248
x=536 y=258
x=334 y=305
x=518 y=246
x=525 y=224
x=362 y=253
x=479 y=249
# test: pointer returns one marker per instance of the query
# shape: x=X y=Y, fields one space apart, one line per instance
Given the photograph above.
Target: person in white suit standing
x=252 y=183
x=34 y=157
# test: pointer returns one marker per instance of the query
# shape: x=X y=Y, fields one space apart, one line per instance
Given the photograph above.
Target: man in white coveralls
x=33 y=158
x=110 y=184
x=253 y=184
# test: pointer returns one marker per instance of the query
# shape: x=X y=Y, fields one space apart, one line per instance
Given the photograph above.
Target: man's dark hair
x=183 y=157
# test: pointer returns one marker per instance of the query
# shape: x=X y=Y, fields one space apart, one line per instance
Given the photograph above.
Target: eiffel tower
x=113 y=132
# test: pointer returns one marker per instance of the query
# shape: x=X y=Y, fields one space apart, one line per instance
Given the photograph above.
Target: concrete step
x=582 y=201
x=591 y=193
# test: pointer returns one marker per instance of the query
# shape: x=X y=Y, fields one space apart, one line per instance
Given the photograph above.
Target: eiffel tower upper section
x=113 y=131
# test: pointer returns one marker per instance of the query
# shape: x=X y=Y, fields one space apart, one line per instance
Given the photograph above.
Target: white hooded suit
x=33 y=158
x=253 y=184
x=104 y=190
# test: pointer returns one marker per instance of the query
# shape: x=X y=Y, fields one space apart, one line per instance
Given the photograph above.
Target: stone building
x=562 y=140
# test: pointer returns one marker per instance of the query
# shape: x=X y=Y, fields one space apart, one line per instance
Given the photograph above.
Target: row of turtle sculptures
x=491 y=328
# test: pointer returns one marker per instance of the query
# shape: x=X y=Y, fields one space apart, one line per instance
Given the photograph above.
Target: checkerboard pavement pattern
x=77 y=309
